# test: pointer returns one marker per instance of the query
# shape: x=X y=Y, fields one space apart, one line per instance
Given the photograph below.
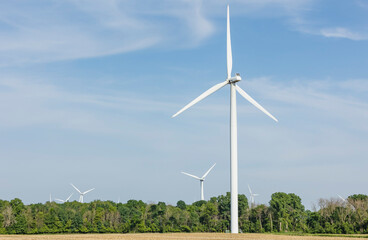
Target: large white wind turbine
x=201 y=179
x=81 y=194
x=252 y=195
x=63 y=201
x=233 y=124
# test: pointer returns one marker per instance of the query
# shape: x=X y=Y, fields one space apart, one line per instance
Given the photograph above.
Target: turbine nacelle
x=235 y=79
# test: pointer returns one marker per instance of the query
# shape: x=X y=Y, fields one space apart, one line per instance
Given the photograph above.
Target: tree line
x=284 y=213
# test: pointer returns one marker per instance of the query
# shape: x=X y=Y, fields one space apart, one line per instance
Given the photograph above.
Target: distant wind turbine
x=81 y=194
x=233 y=124
x=252 y=195
x=201 y=179
x=63 y=201
x=50 y=198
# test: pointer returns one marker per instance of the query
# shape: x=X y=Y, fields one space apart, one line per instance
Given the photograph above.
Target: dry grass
x=171 y=236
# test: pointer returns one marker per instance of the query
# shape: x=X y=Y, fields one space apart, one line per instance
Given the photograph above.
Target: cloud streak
x=73 y=29
x=81 y=29
x=339 y=32
x=54 y=30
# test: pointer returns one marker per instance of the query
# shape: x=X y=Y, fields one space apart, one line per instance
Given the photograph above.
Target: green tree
x=287 y=211
x=181 y=204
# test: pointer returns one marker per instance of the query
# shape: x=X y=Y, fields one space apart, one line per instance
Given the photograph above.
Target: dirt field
x=169 y=236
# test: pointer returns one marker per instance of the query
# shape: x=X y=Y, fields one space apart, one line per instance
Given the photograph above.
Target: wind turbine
x=201 y=179
x=233 y=124
x=81 y=194
x=63 y=201
x=252 y=195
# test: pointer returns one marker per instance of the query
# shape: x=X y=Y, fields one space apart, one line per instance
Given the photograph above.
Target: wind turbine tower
x=201 y=179
x=232 y=81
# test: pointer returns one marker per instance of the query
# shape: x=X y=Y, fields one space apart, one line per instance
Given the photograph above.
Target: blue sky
x=87 y=90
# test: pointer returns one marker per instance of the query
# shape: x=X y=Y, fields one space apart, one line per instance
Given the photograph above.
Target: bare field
x=171 y=236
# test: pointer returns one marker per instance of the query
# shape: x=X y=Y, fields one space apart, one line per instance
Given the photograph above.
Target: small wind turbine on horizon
x=81 y=194
x=201 y=179
x=252 y=195
x=233 y=124
x=64 y=201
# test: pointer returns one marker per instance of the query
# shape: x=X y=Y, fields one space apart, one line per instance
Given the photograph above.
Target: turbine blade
x=228 y=43
x=76 y=188
x=88 y=191
x=255 y=194
x=250 y=191
x=190 y=175
x=202 y=96
x=208 y=171
x=59 y=200
x=252 y=101
x=69 y=197
x=341 y=198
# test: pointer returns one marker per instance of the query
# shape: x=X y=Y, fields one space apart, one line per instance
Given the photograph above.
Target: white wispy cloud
x=58 y=31
x=53 y=30
x=339 y=32
x=310 y=17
